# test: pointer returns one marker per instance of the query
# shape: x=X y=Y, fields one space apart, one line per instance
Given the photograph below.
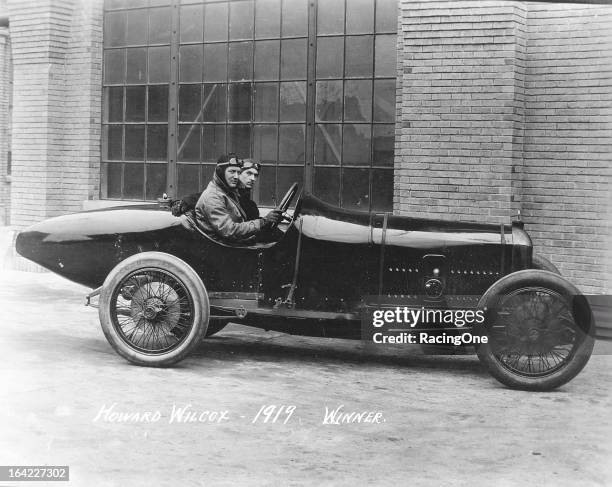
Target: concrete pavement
x=67 y=399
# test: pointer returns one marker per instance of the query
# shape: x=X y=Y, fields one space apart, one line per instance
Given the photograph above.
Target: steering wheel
x=288 y=198
x=283 y=206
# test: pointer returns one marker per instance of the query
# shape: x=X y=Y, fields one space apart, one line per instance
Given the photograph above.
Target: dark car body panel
x=345 y=257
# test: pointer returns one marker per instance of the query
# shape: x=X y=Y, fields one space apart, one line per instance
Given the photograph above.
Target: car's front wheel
x=540 y=330
x=154 y=309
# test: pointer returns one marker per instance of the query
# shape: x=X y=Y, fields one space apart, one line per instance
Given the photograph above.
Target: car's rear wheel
x=539 y=328
x=153 y=309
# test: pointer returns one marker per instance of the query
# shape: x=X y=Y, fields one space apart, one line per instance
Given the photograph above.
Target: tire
x=543 y=264
x=214 y=327
x=154 y=309
x=540 y=330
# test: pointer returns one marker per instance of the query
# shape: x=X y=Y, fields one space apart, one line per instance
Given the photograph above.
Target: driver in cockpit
x=218 y=210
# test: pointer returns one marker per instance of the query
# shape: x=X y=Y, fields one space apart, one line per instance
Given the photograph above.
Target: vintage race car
x=163 y=285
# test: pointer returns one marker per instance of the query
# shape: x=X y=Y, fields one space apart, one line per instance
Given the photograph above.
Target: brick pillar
x=57 y=67
x=462 y=105
x=5 y=108
x=568 y=140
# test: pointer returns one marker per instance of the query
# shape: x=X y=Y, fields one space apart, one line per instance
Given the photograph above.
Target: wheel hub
x=158 y=302
x=152 y=308
x=533 y=334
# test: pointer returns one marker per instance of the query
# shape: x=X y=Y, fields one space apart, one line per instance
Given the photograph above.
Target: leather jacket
x=218 y=213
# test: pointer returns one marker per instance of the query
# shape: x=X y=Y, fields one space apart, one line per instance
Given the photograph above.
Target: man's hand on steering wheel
x=273 y=218
x=276 y=215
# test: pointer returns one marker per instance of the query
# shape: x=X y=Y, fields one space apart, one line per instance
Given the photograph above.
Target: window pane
x=359 y=16
x=386 y=15
x=190 y=63
x=206 y=176
x=114 y=104
x=136 y=65
x=330 y=57
x=157 y=3
x=266 y=102
x=293 y=101
x=382 y=189
x=291 y=146
x=189 y=143
x=241 y=61
x=358 y=101
x=189 y=102
x=215 y=22
x=240 y=102
x=384 y=100
x=267 y=187
x=356 y=145
x=384 y=144
x=114 y=66
x=330 y=17
x=114 y=29
x=157 y=142
x=136 y=31
x=188 y=179
x=267 y=18
x=159 y=25
x=239 y=140
x=114 y=135
x=286 y=177
x=135 y=104
x=159 y=64
x=359 y=52
x=215 y=62
x=293 y=59
x=113 y=181
x=328 y=144
x=329 y=101
x=214 y=104
x=327 y=184
x=156 y=181
x=133 y=181
x=241 y=19
x=158 y=103
x=385 y=55
x=134 y=142
x=295 y=18
x=267 y=55
x=355 y=189
x=213 y=142
x=191 y=23
x=265 y=143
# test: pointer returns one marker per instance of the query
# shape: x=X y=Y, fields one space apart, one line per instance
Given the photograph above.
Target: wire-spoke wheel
x=153 y=309
x=539 y=328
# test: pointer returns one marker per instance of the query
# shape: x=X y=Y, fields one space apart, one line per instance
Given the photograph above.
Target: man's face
x=248 y=177
x=231 y=176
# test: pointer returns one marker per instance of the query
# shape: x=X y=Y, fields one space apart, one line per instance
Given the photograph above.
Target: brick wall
x=5 y=97
x=506 y=106
x=56 y=47
x=462 y=107
x=568 y=139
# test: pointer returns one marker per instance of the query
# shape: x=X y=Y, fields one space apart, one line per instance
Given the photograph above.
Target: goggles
x=233 y=161
x=248 y=164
